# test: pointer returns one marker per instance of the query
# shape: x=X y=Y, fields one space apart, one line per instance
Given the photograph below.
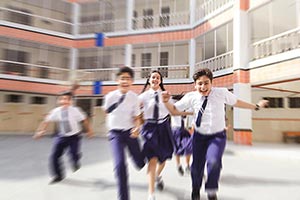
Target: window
x=38 y=100
x=164 y=19
x=164 y=61
x=134 y=20
x=16 y=56
x=148 y=18
x=19 y=17
x=294 y=102
x=146 y=62
x=13 y=98
x=99 y=102
x=133 y=60
x=274 y=102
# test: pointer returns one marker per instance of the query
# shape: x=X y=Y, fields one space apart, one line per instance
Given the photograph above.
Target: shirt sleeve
x=137 y=106
x=184 y=103
x=52 y=115
x=106 y=101
x=80 y=115
x=230 y=98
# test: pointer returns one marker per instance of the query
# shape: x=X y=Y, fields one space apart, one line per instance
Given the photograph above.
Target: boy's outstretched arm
x=172 y=109
x=87 y=127
x=40 y=131
x=246 y=105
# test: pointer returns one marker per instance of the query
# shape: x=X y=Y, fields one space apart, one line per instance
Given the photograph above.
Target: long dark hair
x=161 y=85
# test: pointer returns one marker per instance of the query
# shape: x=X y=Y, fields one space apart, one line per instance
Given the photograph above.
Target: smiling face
x=203 y=85
x=125 y=81
x=155 y=80
x=64 y=100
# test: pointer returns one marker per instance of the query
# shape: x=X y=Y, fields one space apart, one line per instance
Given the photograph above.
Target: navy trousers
x=207 y=149
x=60 y=145
x=119 y=140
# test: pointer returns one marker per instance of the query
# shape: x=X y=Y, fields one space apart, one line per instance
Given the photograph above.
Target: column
x=242 y=122
x=128 y=55
x=129 y=14
x=192 y=57
x=75 y=19
x=73 y=64
x=192 y=11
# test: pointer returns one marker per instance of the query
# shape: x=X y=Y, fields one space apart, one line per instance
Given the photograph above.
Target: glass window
x=14 y=98
x=294 y=102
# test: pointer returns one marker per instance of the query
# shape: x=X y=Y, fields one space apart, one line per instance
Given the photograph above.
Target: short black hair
x=126 y=69
x=203 y=72
x=66 y=93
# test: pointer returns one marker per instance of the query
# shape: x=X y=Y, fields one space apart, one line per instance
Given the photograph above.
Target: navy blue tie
x=155 y=111
x=115 y=105
x=182 y=123
x=65 y=124
x=201 y=111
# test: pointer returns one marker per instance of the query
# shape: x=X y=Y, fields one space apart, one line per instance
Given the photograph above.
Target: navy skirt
x=183 y=144
x=158 y=141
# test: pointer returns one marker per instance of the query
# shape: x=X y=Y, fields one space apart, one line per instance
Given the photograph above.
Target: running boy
x=123 y=121
x=69 y=120
x=209 y=137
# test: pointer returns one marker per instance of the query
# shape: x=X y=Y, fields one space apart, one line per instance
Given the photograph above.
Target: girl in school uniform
x=156 y=131
x=182 y=142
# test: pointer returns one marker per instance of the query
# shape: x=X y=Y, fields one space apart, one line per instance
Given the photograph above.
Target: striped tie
x=200 y=113
x=65 y=124
x=115 y=105
x=155 y=111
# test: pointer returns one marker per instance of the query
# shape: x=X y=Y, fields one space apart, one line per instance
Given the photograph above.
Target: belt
x=157 y=120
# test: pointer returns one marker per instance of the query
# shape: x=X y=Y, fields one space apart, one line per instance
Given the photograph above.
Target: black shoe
x=195 y=194
x=212 y=197
x=159 y=183
x=180 y=170
x=76 y=167
x=55 y=180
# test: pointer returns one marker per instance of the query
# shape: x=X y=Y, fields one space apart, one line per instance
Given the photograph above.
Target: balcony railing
x=277 y=44
x=34 y=71
x=141 y=73
x=102 y=26
x=162 y=20
x=217 y=63
x=209 y=7
x=33 y=20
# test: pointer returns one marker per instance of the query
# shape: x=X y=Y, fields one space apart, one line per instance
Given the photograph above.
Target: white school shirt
x=176 y=121
x=213 y=118
x=75 y=116
x=123 y=116
x=148 y=101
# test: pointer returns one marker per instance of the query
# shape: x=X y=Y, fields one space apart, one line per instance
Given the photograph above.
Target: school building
x=252 y=47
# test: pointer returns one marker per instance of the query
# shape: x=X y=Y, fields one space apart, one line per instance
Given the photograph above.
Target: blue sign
x=99 y=39
x=97 y=87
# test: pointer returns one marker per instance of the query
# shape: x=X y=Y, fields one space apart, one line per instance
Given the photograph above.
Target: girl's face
x=203 y=85
x=154 y=80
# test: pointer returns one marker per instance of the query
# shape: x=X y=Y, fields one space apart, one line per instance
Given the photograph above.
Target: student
x=123 y=113
x=69 y=120
x=156 y=131
x=182 y=142
x=209 y=137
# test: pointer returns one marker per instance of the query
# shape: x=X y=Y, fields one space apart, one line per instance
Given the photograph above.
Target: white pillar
x=192 y=11
x=242 y=122
x=129 y=14
x=298 y=12
x=75 y=19
x=128 y=55
x=192 y=58
x=73 y=64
